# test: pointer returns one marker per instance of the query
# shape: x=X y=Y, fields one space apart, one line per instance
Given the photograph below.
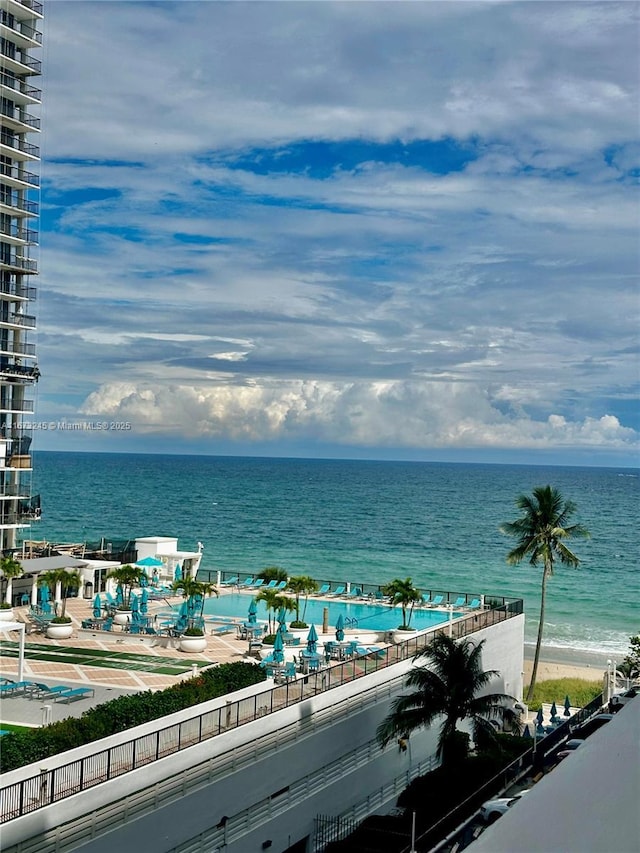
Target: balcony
x=19 y=175
x=19 y=144
x=21 y=28
x=19 y=61
x=18 y=262
x=14 y=490
x=22 y=321
x=21 y=87
x=15 y=202
x=19 y=119
x=16 y=407
x=20 y=373
x=17 y=291
x=34 y=5
x=16 y=232
x=27 y=350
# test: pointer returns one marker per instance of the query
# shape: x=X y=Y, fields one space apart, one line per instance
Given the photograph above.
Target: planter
x=299 y=632
x=193 y=645
x=122 y=617
x=399 y=635
x=6 y=614
x=59 y=630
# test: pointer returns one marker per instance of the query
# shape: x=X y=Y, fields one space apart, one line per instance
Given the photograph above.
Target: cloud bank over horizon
x=367 y=225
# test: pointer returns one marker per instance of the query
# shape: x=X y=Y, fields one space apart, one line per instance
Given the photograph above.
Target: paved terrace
x=108 y=683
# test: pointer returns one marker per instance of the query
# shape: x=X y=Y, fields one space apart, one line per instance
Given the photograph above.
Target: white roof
x=587 y=804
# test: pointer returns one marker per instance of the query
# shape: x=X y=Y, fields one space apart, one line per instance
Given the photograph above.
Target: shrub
x=579 y=691
x=298 y=623
x=194 y=632
x=124 y=712
x=61 y=620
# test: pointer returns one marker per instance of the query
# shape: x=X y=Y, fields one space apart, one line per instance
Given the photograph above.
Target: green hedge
x=125 y=712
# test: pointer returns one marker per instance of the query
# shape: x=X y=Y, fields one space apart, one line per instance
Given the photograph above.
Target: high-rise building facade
x=20 y=40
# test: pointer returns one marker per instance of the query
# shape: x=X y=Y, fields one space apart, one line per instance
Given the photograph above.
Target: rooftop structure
x=19 y=209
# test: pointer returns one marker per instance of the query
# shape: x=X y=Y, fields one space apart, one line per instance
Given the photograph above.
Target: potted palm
x=404 y=593
x=301 y=585
x=10 y=569
x=126 y=577
x=61 y=626
x=194 y=591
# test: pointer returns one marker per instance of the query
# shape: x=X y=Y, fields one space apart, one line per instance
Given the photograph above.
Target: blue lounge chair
x=231 y=582
x=14 y=687
x=475 y=603
x=272 y=584
x=72 y=695
x=324 y=589
x=258 y=582
x=339 y=590
x=460 y=601
x=247 y=582
x=282 y=585
x=355 y=592
x=437 y=600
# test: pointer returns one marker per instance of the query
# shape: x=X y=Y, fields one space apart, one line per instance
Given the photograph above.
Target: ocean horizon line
x=342 y=459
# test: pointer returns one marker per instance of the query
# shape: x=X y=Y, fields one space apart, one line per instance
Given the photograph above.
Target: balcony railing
x=27 y=321
x=25 y=30
x=20 y=291
x=19 y=262
x=16 y=406
x=19 y=174
x=33 y=5
x=29 y=62
x=20 y=372
x=20 y=145
x=9 y=200
x=20 y=116
x=13 y=490
x=19 y=85
x=20 y=233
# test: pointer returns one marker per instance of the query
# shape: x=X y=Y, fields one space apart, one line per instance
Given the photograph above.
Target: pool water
x=370 y=617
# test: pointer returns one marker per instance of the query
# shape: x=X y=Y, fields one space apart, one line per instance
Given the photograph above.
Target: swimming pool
x=371 y=617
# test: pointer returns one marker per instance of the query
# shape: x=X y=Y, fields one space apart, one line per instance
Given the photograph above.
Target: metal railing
x=9 y=200
x=21 y=117
x=32 y=4
x=13 y=229
x=20 y=291
x=20 y=144
x=21 y=86
x=24 y=29
x=27 y=321
x=21 y=58
x=49 y=786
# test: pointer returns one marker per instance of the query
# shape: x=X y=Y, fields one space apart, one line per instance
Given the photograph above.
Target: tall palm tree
x=70 y=581
x=196 y=591
x=301 y=585
x=540 y=533
x=447 y=686
x=404 y=593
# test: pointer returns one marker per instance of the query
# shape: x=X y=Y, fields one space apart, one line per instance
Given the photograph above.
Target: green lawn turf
x=101 y=658
x=10 y=727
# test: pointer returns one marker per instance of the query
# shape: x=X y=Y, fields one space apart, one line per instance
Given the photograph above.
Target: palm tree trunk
x=536 y=658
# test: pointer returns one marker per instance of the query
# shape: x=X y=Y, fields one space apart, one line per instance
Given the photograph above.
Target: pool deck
x=109 y=683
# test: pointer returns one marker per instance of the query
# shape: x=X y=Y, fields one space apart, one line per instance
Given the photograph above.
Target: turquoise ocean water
x=364 y=522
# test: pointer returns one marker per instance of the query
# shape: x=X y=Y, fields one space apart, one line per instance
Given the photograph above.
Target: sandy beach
x=564 y=663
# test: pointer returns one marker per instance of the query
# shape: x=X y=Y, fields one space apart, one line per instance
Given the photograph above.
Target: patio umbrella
x=282 y=619
x=567 y=707
x=278 y=649
x=183 y=613
x=540 y=720
x=253 y=612
x=340 y=628
x=177 y=575
x=119 y=595
x=554 y=712
x=144 y=600
x=44 y=595
x=526 y=732
x=97 y=607
x=135 y=604
x=312 y=640
x=149 y=563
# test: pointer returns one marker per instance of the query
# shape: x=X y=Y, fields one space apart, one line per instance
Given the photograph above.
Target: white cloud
x=381 y=414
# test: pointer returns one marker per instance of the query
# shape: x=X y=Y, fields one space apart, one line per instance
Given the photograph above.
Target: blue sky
x=388 y=230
